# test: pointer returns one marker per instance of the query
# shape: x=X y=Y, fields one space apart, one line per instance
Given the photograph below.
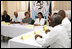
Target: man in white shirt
x=67 y=25
x=16 y=18
x=57 y=37
x=65 y=22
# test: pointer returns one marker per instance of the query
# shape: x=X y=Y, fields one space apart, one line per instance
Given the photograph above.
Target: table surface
x=27 y=32
x=28 y=40
x=14 y=30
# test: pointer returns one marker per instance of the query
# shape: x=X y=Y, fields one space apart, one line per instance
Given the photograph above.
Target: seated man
x=5 y=17
x=65 y=22
x=16 y=18
x=57 y=37
x=27 y=19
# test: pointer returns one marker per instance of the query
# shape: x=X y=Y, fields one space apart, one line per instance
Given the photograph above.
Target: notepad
x=2 y=22
x=38 y=31
x=31 y=35
x=30 y=26
x=5 y=23
x=45 y=27
x=27 y=36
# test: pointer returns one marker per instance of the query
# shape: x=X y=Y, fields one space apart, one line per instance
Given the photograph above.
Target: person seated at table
x=16 y=18
x=65 y=22
x=39 y=21
x=27 y=19
x=5 y=17
x=57 y=37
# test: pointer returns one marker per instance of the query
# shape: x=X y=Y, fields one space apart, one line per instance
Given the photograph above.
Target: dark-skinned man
x=57 y=37
x=16 y=18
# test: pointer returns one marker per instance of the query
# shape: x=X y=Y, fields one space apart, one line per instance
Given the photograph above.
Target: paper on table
x=27 y=36
x=38 y=31
x=30 y=26
x=2 y=22
x=31 y=35
x=5 y=23
x=46 y=27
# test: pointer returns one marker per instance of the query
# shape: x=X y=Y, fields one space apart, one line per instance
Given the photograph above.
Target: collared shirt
x=67 y=25
x=6 y=18
x=42 y=21
x=27 y=20
x=18 y=19
x=56 y=38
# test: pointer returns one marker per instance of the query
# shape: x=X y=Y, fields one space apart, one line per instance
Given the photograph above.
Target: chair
x=32 y=22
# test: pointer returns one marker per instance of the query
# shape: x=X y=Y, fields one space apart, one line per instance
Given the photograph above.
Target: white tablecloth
x=25 y=43
x=14 y=30
x=28 y=40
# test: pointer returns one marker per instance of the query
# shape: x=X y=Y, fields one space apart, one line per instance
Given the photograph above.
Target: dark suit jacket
x=6 y=19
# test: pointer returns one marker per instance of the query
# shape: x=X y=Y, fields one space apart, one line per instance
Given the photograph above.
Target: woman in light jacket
x=40 y=21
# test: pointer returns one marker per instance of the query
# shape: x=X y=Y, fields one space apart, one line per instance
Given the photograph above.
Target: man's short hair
x=56 y=19
x=55 y=13
x=5 y=11
x=62 y=13
x=16 y=12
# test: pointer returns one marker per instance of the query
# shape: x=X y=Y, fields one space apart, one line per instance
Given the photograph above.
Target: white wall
x=11 y=5
x=68 y=13
x=22 y=6
x=1 y=7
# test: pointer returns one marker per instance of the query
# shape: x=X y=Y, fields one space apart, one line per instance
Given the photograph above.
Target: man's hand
x=11 y=22
x=37 y=36
x=14 y=22
x=23 y=23
x=17 y=22
x=37 y=25
x=47 y=31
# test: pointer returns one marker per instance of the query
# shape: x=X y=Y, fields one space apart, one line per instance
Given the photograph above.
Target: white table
x=14 y=30
x=28 y=42
x=25 y=43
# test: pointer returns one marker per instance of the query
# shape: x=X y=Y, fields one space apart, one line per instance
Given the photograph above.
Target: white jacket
x=56 y=38
x=42 y=21
x=67 y=25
